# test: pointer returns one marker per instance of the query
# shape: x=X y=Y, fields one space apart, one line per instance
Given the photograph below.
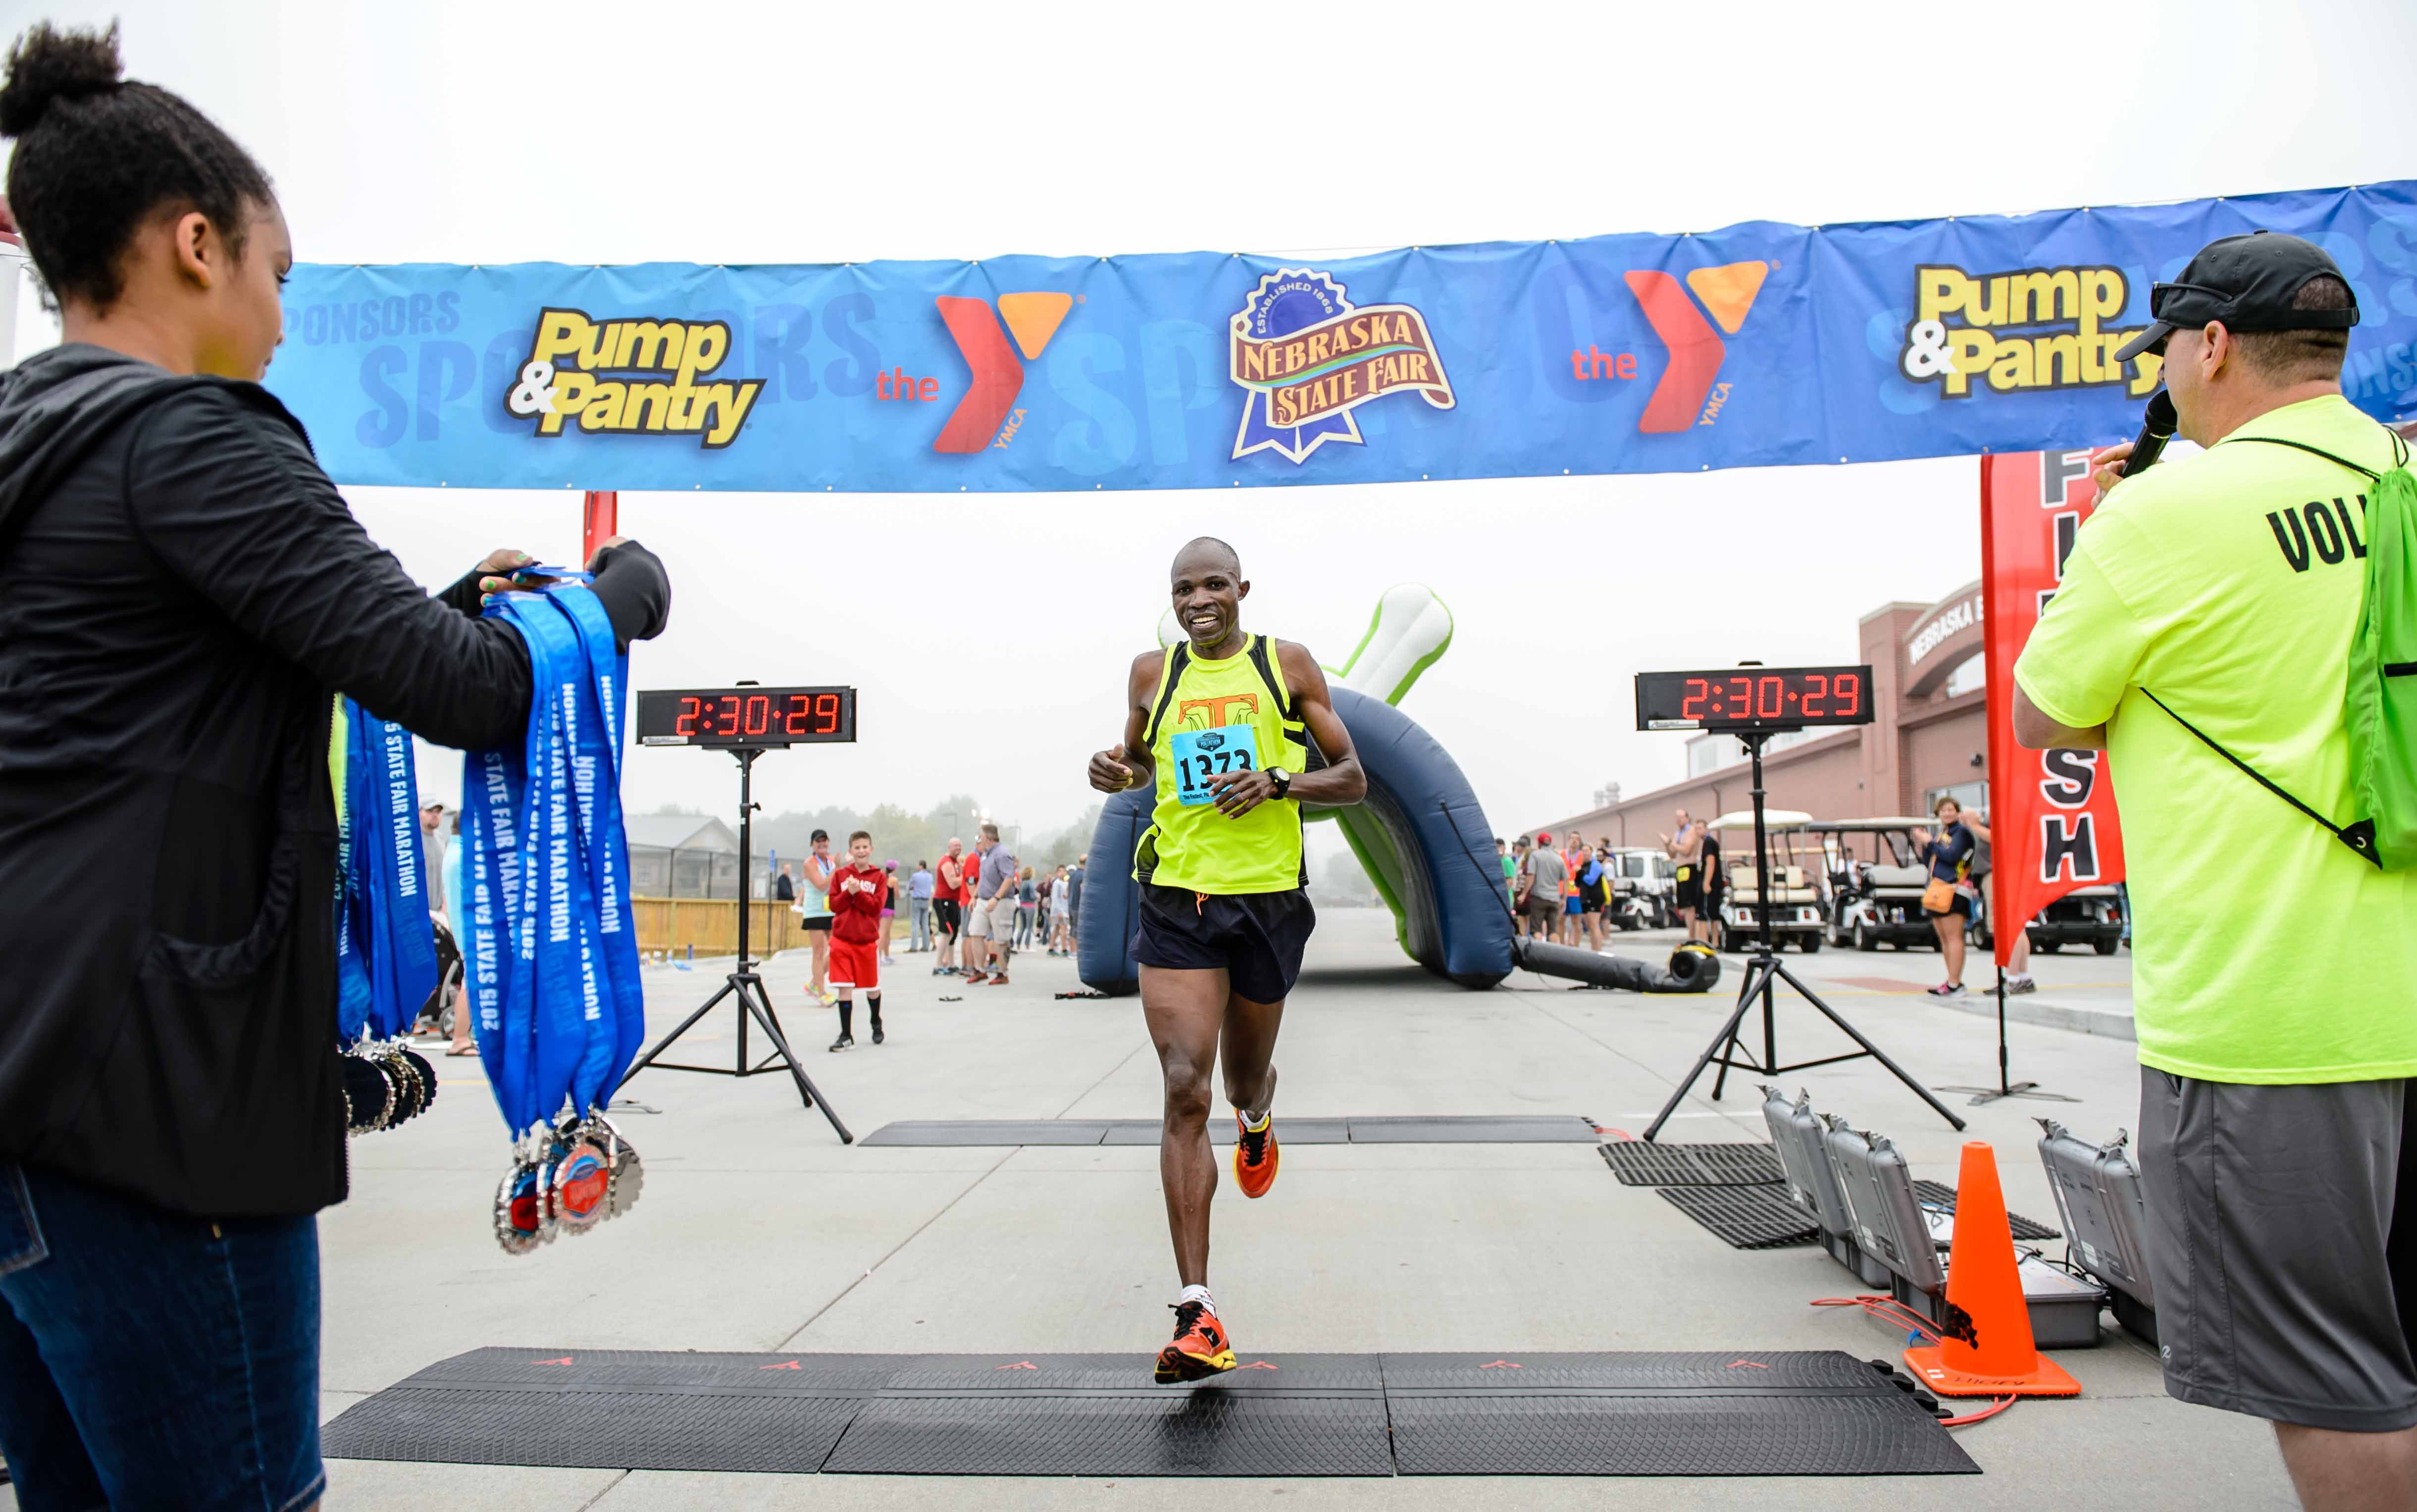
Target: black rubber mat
x=1565 y=1129
x=1940 y=1195
x=1099 y=1415
x=1784 y=1413
x=1221 y=1131
x=615 y=1409
x=1790 y=1413
x=1746 y=1217
x=1639 y=1164
x=974 y=1132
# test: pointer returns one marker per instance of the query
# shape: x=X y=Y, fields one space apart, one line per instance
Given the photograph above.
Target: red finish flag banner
x=2052 y=821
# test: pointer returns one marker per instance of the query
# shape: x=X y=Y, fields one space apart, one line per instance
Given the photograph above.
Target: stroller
x=437 y=1014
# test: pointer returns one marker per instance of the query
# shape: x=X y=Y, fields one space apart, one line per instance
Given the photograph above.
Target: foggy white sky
x=989 y=635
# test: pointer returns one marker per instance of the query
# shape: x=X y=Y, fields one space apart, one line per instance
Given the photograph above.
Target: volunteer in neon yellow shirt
x=1223 y=722
x=2274 y=968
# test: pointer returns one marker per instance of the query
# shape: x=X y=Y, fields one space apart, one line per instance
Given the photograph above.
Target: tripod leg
x=1728 y=1034
x=1869 y=1048
x=1721 y=1079
x=806 y=1089
x=665 y=1043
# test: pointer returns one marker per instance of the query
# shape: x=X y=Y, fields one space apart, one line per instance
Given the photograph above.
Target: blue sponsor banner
x=1757 y=345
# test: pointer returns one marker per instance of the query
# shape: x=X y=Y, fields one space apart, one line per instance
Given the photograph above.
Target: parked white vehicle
x=1796 y=909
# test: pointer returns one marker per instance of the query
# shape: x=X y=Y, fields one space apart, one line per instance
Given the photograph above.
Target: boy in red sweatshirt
x=857 y=892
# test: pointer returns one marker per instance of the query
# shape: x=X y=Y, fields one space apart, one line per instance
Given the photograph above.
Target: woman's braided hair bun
x=48 y=65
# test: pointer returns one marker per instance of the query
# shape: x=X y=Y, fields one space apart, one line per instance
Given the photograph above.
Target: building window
x=1970 y=673
x=1973 y=796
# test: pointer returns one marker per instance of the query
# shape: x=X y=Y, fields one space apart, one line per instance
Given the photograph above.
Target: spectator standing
x=1074 y=903
x=859 y=893
x=949 y=908
x=1572 y=905
x=1715 y=883
x=463 y=1044
x=975 y=950
x=919 y=908
x=1590 y=884
x=434 y=842
x=1949 y=855
x=1540 y=888
x=1028 y=908
x=1510 y=872
x=1686 y=849
x=2278 y=1143
x=814 y=914
x=784 y=890
x=994 y=918
x=1062 y=914
x=888 y=909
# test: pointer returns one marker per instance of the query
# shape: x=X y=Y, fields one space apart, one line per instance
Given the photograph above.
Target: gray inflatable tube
x=1420 y=833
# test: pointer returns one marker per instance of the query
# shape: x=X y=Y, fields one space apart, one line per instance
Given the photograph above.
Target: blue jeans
x=152 y=1361
x=919 y=924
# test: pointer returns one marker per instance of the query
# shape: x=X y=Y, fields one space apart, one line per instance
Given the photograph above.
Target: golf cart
x=1642 y=885
x=2086 y=915
x=1877 y=878
x=1797 y=916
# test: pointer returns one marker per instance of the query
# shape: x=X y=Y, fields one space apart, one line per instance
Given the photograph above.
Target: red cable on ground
x=1897 y=1315
x=1992 y=1411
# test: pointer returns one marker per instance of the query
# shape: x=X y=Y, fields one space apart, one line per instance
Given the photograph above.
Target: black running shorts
x=946 y=915
x=1255 y=938
x=1691 y=888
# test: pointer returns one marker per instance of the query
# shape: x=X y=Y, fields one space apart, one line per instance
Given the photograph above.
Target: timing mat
x=1789 y=1412
x=1480 y=1130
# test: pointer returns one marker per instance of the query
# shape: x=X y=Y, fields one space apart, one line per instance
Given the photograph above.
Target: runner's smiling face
x=1208 y=590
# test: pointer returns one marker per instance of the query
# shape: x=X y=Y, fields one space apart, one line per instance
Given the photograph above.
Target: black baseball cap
x=2248 y=282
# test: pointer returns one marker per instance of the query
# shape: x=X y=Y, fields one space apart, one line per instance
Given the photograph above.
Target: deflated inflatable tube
x=1692 y=968
x=1420 y=833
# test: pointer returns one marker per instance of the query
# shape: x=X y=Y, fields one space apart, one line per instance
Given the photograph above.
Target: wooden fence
x=711 y=924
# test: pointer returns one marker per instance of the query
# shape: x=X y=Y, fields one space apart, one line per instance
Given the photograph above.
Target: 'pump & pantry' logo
x=605 y=374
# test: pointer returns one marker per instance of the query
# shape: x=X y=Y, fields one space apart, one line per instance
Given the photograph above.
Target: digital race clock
x=1753 y=698
x=737 y=717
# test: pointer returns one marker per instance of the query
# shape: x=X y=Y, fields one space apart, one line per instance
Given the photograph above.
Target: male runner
x=1223 y=722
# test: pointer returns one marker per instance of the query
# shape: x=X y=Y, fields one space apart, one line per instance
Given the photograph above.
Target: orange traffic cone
x=1986 y=1349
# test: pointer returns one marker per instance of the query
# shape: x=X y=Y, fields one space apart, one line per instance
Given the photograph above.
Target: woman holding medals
x=185 y=593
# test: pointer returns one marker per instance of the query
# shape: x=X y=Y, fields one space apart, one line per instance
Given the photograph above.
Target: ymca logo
x=1685 y=396
x=1032 y=319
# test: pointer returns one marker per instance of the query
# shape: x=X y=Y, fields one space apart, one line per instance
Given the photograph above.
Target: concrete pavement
x=758 y=1231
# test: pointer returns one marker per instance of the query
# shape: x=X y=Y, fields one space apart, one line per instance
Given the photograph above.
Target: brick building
x=1926 y=737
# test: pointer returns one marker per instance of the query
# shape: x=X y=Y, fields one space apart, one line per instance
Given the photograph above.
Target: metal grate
x=1639 y=1164
x=1746 y=1217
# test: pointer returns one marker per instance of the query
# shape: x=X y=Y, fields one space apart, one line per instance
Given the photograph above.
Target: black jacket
x=182 y=591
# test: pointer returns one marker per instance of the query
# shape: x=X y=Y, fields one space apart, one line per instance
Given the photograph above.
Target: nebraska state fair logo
x=1306 y=356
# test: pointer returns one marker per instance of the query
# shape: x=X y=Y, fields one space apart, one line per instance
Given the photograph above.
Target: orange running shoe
x=1256 y=1156
x=1200 y=1349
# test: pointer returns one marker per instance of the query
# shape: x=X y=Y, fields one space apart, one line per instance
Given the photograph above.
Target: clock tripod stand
x=747 y=986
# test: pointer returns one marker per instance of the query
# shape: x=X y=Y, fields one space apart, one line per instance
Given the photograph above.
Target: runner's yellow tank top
x=1215 y=717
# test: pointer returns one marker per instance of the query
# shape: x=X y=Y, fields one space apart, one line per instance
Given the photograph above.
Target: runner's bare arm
x=1127 y=765
x=1342 y=779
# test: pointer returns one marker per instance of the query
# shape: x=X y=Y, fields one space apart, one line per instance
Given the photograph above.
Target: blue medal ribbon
x=386 y=953
x=597 y=728
x=550 y=950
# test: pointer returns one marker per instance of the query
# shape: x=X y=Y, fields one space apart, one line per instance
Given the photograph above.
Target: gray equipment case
x=2105 y=1217
x=1796 y=1135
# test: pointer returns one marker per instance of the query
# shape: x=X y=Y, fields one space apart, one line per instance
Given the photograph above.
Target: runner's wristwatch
x=1282 y=778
